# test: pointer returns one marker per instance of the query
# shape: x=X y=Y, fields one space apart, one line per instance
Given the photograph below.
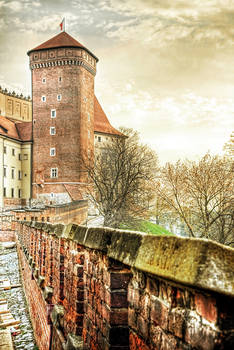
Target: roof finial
x=62 y=25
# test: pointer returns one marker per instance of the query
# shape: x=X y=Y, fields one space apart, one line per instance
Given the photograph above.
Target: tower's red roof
x=61 y=40
x=101 y=122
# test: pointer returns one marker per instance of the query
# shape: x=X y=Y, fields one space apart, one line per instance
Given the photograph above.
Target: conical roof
x=62 y=39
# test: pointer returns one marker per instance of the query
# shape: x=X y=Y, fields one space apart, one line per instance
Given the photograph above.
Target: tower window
x=43 y=98
x=52 y=130
x=19 y=175
x=12 y=193
x=12 y=173
x=13 y=151
x=60 y=79
x=59 y=97
x=4 y=150
x=19 y=193
x=4 y=171
x=53 y=113
x=4 y=192
x=53 y=172
x=52 y=152
x=43 y=80
x=19 y=156
x=99 y=139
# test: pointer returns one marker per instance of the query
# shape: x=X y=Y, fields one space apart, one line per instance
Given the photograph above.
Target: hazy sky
x=166 y=67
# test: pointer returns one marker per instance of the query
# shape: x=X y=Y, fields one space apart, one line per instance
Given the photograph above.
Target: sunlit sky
x=166 y=68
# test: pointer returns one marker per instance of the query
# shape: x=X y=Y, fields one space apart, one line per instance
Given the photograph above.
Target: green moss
x=146 y=226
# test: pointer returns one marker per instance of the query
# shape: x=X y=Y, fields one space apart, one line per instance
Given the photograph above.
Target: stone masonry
x=105 y=289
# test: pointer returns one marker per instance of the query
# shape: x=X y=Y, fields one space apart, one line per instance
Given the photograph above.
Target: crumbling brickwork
x=101 y=289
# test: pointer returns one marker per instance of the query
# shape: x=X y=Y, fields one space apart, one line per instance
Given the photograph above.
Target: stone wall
x=75 y=212
x=7 y=229
x=104 y=289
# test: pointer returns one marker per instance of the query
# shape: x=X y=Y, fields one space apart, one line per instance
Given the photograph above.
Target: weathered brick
x=177 y=321
x=159 y=312
x=206 y=307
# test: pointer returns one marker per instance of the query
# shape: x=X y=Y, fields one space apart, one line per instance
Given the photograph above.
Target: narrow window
x=19 y=156
x=59 y=97
x=4 y=150
x=53 y=113
x=48 y=219
x=52 y=152
x=12 y=192
x=19 y=193
x=19 y=175
x=52 y=130
x=52 y=195
x=60 y=79
x=99 y=139
x=42 y=219
x=4 y=191
x=13 y=151
x=43 y=98
x=43 y=80
x=4 y=171
x=12 y=173
x=53 y=173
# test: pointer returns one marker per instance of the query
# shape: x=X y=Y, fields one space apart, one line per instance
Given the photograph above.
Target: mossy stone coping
x=199 y=263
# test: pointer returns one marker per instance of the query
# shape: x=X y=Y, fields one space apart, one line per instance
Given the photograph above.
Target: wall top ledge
x=199 y=263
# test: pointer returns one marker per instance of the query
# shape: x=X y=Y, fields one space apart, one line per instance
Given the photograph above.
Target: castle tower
x=63 y=72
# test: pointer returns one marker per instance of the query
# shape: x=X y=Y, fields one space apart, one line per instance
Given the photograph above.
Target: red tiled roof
x=15 y=130
x=60 y=40
x=25 y=130
x=101 y=122
x=74 y=192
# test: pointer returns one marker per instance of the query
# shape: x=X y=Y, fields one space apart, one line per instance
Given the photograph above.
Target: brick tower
x=63 y=72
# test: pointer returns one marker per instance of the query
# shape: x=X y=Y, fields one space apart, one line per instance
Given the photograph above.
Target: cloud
x=165 y=66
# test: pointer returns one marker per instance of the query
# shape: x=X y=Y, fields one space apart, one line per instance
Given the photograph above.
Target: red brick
x=206 y=307
x=136 y=343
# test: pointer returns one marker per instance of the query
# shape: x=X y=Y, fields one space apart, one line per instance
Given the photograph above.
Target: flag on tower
x=62 y=25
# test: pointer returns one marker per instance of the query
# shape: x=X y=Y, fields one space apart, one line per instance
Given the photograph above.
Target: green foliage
x=146 y=226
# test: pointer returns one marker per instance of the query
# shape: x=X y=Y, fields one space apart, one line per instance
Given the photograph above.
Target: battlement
x=15 y=106
x=14 y=94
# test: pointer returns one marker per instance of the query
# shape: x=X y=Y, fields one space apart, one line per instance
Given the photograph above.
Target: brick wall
x=57 y=72
x=7 y=229
x=75 y=212
x=106 y=289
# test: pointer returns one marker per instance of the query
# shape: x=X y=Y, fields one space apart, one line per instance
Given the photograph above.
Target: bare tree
x=122 y=177
x=201 y=195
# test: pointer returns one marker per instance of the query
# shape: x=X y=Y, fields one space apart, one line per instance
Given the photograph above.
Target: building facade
x=15 y=163
x=16 y=107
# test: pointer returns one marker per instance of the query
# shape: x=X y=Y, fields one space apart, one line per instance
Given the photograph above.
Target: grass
x=148 y=227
